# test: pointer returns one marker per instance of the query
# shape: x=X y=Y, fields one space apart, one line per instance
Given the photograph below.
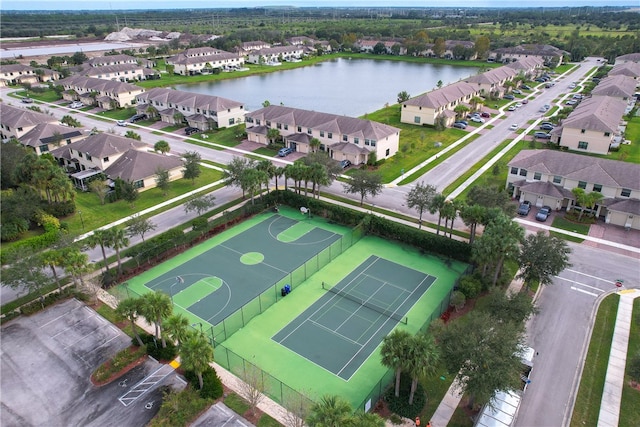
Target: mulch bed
x=123 y=371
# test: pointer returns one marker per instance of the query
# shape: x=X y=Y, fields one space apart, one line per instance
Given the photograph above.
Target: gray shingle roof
x=336 y=124
x=598 y=113
x=15 y=117
x=579 y=167
x=99 y=85
x=108 y=69
x=105 y=144
x=45 y=133
x=187 y=99
x=187 y=60
x=631 y=206
x=630 y=57
x=630 y=69
x=493 y=76
x=443 y=96
x=135 y=165
x=616 y=86
x=99 y=61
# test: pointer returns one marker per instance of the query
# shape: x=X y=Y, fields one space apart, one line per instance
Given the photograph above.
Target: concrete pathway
x=614 y=380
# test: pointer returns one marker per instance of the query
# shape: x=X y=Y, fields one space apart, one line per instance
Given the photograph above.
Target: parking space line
x=583 y=291
x=59 y=317
x=145 y=385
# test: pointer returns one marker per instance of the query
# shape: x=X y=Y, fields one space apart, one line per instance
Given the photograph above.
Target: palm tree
x=76 y=264
x=368 y=419
x=277 y=174
x=273 y=135
x=118 y=240
x=267 y=167
x=592 y=199
x=154 y=307
x=53 y=258
x=196 y=354
x=331 y=411
x=421 y=360
x=177 y=327
x=100 y=237
x=128 y=309
x=582 y=198
x=314 y=144
x=162 y=147
x=437 y=205
x=394 y=352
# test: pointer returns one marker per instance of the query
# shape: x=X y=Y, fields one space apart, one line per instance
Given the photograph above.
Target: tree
x=76 y=264
x=472 y=216
x=592 y=199
x=297 y=409
x=439 y=47
x=379 y=48
x=191 y=166
x=461 y=110
x=100 y=237
x=368 y=419
x=117 y=240
x=437 y=205
x=439 y=84
x=128 y=309
x=500 y=242
x=139 y=226
x=421 y=360
x=196 y=354
x=314 y=144
x=70 y=121
x=234 y=170
x=177 y=327
x=273 y=135
x=516 y=307
x=394 y=351
x=482 y=45
x=131 y=134
x=267 y=167
x=484 y=352
x=199 y=204
x=364 y=183
x=162 y=147
x=490 y=197
x=541 y=258
x=128 y=191
x=25 y=271
x=101 y=188
x=162 y=180
x=252 y=386
x=458 y=300
x=252 y=180
x=403 y=96
x=420 y=198
x=53 y=258
x=330 y=411
x=154 y=307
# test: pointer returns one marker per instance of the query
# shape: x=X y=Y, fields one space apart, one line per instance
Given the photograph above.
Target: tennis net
x=365 y=303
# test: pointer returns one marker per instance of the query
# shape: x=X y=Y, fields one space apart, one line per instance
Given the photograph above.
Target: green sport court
x=313 y=340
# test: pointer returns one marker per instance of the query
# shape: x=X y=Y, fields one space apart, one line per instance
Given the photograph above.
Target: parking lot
x=47 y=360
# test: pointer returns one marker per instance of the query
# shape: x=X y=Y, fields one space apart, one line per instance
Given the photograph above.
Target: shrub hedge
x=212 y=385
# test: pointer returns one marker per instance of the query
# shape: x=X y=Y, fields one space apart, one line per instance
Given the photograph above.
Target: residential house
x=45 y=137
x=47 y=75
x=459 y=49
x=492 y=82
x=194 y=61
x=106 y=94
x=546 y=177
x=274 y=55
x=126 y=72
x=621 y=87
x=550 y=54
x=592 y=126
x=528 y=67
x=628 y=58
x=102 y=61
x=201 y=111
x=18 y=74
x=247 y=47
x=343 y=138
x=629 y=69
x=309 y=44
x=116 y=157
x=368 y=45
x=16 y=122
x=429 y=107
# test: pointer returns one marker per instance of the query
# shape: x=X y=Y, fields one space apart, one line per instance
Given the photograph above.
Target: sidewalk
x=614 y=380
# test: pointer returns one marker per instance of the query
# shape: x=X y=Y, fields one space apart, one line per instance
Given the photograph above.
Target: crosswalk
x=578 y=279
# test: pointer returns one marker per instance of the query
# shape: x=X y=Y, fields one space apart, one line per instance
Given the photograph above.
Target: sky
x=189 y=4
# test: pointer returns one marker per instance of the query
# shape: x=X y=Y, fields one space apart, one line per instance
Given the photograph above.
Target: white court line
x=580 y=283
x=583 y=291
x=588 y=275
x=320 y=325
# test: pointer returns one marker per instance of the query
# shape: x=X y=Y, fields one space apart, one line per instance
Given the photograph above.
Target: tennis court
x=229 y=273
x=350 y=321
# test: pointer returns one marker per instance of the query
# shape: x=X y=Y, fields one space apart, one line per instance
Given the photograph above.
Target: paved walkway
x=614 y=380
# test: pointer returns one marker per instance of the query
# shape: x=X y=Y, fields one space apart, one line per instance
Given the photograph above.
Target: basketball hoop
x=303 y=210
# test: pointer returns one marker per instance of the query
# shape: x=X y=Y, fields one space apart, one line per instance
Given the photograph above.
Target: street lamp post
x=81 y=219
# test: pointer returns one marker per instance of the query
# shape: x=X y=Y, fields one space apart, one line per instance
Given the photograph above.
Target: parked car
x=526 y=87
x=464 y=122
x=572 y=86
x=27 y=100
x=571 y=102
x=519 y=104
x=345 y=164
x=191 y=130
x=547 y=106
x=517 y=92
x=547 y=123
x=76 y=104
x=485 y=114
x=524 y=208
x=525 y=101
x=543 y=213
x=514 y=126
x=547 y=127
x=137 y=117
x=122 y=123
x=577 y=96
x=541 y=135
x=512 y=108
x=284 y=152
x=477 y=119
x=459 y=125
x=509 y=97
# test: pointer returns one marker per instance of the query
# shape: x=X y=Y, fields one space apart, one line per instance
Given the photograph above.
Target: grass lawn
x=630 y=397
x=587 y=406
x=46 y=96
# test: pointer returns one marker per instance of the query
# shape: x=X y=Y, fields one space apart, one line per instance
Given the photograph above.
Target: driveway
x=47 y=360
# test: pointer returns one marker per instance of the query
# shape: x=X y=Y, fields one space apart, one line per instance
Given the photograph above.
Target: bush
x=113 y=366
x=60 y=209
x=199 y=223
x=155 y=350
x=212 y=386
x=400 y=405
x=179 y=409
x=634 y=368
x=470 y=286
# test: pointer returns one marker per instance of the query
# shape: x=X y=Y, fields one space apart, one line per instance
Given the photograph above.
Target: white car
x=519 y=104
x=477 y=119
x=76 y=104
x=121 y=123
x=513 y=126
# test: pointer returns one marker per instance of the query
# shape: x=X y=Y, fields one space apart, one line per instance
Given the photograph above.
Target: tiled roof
x=493 y=76
x=630 y=206
x=443 y=96
x=528 y=63
x=187 y=99
x=629 y=69
x=616 y=86
x=14 y=68
x=47 y=133
x=276 y=50
x=630 y=57
x=532 y=49
x=103 y=145
x=339 y=125
x=135 y=165
x=187 y=60
x=99 y=85
x=598 y=113
x=108 y=69
x=111 y=59
x=579 y=167
x=15 y=117
x=547 y=188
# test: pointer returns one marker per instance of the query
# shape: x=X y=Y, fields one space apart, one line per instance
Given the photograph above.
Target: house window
x=138 y=184
x=514 y=170
x=386 y=153
x=416 y=119
x=582 y=184
x=258 y=122
x=607 y=134
x=309 y=131
x=329 y=135
x=626 y=192
x=322 y=134
x=366 y=142
x=299 y=128
x=279 y=125
x=345 y=138
x=356 y=141
x=44 y=148
x=557 y=179
x=232 y=121
x=583 y=145
x=286 y=127
x=537 y=176
x=523 y=172
x=268 y=124
x=88 y=157
x=105 y=159
x=19 y=129
x=322 y=147
x=249 y=120
x=597 y=188
x=583 y=130
x=373 y=142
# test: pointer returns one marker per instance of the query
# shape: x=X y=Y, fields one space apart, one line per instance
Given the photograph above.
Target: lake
x=351 y=87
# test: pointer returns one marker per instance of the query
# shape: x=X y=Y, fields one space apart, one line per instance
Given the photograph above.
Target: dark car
x=509 y=97
x=459 y=125
x=27 y=100
x=283 y=152
x=138 y=117
x=543 y=213
x=345 y=164
x=485 y=114
x=191 y=130
x=541 y=135
x=525 y=87
x=547 y=127
x=524 y=208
